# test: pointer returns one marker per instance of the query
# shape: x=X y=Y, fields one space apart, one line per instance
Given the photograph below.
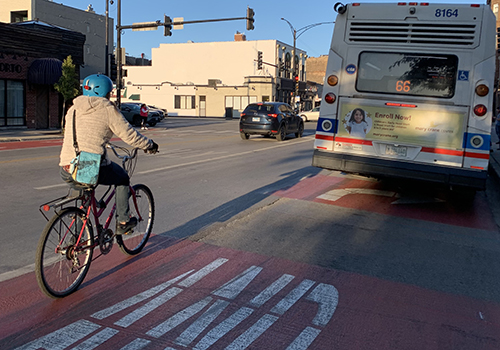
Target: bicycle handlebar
x=132 y=155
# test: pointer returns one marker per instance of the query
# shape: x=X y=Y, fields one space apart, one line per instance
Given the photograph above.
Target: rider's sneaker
x=123 y=229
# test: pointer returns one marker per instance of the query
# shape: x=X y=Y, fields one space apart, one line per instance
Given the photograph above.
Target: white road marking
x=195 y=277
x=15 y=273
x=327 y=297
x=136 y=344
x=97 y=339
x=231 y=289
x=223 y=328
x=224 y=157
x=271 y=290
x=178 y=318
x=136 y=298
x=51 y=186
x=62 y=338
x=198 y=326
x=139 y=313
x=292 y=297
x=252 y=333
x=335 y=195
x=304 y=339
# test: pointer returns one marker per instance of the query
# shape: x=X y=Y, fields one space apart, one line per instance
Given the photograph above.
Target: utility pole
x=296 y=34
x=118 y=53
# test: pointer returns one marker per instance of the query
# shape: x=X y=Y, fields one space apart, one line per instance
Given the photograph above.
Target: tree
x=68 y=83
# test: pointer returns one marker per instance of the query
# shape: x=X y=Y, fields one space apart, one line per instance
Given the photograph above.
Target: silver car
x=312 y=115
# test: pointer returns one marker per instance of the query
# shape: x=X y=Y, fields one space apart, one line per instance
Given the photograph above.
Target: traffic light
x=259 y=59
x=296 y=83
x=250 y=20
x=167 y=25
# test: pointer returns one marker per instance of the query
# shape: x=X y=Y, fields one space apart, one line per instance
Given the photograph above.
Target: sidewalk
x=10 y=135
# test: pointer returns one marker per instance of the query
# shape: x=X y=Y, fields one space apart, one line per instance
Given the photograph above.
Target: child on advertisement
x=357 y=125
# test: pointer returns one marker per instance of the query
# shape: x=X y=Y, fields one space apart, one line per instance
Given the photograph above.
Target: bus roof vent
x=428 y=34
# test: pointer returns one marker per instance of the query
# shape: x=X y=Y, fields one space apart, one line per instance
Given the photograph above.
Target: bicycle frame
x=91 y=207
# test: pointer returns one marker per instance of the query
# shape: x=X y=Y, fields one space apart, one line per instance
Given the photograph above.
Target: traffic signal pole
x=167 y=23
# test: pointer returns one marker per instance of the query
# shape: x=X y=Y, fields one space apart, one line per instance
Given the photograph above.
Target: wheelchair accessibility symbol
x=463 y=75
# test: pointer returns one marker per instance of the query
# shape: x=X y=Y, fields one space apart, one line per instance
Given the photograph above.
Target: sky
x=268 y=24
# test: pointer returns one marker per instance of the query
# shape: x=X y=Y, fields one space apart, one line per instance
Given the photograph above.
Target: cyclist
x=97 y=119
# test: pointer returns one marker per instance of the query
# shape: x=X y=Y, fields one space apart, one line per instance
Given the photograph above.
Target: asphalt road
x=203 y=174
x=255 y=249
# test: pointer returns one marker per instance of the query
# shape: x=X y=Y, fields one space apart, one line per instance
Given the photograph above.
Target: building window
x=184 y=102
x=239 y=103
x=18 y=16
x=11 y=102
x=495 y=9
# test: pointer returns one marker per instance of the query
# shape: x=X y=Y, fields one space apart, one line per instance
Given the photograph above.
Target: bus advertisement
x=408 y=93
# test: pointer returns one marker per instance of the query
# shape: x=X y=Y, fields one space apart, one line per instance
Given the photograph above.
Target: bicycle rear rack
x=58 y=203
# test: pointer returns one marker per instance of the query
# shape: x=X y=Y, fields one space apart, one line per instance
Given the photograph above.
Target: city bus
x=408 y=93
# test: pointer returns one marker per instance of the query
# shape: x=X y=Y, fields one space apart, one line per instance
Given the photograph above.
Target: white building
x=203 y=79
x=92 y=25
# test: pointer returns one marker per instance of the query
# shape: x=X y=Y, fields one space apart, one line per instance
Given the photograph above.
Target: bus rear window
x=407 y=74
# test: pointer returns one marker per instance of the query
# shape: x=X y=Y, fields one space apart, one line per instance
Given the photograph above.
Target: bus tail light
x=480 y=110
x=330 y=98
x=332 y=80
x=482 y=90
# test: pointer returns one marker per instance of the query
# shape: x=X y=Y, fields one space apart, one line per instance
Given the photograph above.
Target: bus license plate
x=256 y=119
x=395 y=150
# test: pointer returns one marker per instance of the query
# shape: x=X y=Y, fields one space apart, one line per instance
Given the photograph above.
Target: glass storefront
x=11 y=103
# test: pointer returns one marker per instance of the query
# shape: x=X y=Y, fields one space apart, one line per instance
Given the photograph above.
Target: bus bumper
x=380 y=168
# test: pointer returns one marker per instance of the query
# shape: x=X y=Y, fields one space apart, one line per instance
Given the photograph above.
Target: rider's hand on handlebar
x=152 y=149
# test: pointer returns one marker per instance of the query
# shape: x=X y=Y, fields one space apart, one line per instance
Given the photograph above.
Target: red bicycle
x=67 y=244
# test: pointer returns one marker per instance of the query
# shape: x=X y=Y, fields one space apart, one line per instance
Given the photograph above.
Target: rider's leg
x=114 y=174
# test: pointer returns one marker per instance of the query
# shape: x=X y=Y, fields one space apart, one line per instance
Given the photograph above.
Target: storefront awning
x=46 y=71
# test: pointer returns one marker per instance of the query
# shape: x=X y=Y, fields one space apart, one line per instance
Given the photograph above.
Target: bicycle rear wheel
x=133 y=242
x=60 y=264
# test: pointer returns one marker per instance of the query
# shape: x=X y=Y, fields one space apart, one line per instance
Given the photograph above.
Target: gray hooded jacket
x=97 y=119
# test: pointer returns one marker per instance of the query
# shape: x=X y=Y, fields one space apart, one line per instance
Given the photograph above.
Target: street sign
x=152 y=26
x=178 y=26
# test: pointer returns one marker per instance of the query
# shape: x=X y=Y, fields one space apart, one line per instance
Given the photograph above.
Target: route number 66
x=403 y=85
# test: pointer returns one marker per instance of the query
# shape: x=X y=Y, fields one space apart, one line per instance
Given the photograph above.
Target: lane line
x=97 y=339
x=252 y=333
x=139 y=313
x=223 y=328
x=304 y=339
x=136 y=344
x=63 y=337
x=178 y=318
x=231 y=289
x=198 y=326
x=222 y=157
x=195 y=277
x=271 y=290
x=292 y=297
x=122 y=305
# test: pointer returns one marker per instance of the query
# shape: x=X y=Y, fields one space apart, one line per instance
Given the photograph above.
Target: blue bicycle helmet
x=97 y=85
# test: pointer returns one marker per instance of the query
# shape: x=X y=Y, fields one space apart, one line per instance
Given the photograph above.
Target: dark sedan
x=270 y=119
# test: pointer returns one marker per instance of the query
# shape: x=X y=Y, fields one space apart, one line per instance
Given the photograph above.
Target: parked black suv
x=270 y=119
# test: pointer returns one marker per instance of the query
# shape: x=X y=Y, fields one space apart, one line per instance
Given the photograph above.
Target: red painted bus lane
x=369 y=195
x=188 y=295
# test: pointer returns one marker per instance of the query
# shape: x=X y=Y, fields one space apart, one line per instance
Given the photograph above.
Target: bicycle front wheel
x=144 y=211
x=62 y=261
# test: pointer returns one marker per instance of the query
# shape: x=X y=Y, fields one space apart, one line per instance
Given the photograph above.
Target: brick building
x=31 y=56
